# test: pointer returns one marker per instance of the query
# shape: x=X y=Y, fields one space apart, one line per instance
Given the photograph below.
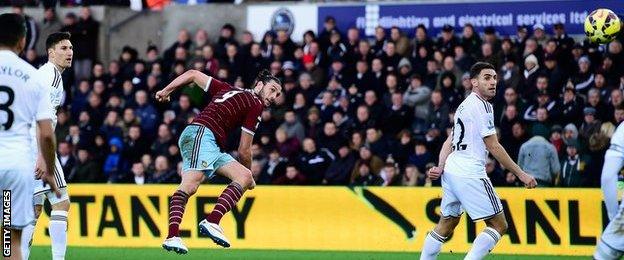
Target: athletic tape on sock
x=493 y=233
x=437 y=236
x=59 y=215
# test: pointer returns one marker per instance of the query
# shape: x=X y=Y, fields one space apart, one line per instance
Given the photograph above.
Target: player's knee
x=62 y=206
x=500 y=226
x=189 y=188
x=246 y=180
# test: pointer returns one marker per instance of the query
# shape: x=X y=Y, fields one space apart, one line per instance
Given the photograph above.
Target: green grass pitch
x=92 y=253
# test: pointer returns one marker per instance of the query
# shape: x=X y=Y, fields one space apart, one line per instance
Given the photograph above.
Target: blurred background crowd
x=355 y=111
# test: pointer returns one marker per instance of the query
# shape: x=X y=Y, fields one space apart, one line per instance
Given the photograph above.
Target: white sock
x=483 y=244
x=58 y=233
x=608 y=182
x=27 y=237
x=432 y=246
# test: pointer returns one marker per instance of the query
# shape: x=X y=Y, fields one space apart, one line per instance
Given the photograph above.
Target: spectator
x=163 y=172
x=293 y=126
x=372 y=162
x=421 y=41
x=135 y=145
x=571 y=107
x=573 y=167
x=288 y=147
x=391 y=88
x=364 y=177
x=398 y=116
x=138 y=174
x=531 y=67
x=114 y=166
x=418 y=97
x=32 y=32
x=85 y=40
x=542 y=126
x=375 y=107
x=146 y=113
x=590 y=125
x=554 y=73
x=183 y=40
x=556 y=139
x=86 y=170
x=507 y=121
x=421 y=157
x=95 y=109
x=583 y=80
x=339 y=171
x=539 y=158
x=226 y=37
x=61 y=130
x=274 y=168
x=510 y=73
x=65 y=157
x=412 y=176
x=438 y=112
x=163 y=140
x=447 y=42
x=292 y=177
x=111 y=127
x=402 y=43
x=450 y=94
x=495 y=173
x=313 y=162
x=330 y=139
x=390 y=174
x=519 y=137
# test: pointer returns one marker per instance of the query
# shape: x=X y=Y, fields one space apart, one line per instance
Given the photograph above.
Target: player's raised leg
x=242 y=180
x=608 y=180
x=190 y=182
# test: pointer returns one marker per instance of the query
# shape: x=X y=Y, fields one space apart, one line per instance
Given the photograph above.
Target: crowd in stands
x=354 y=111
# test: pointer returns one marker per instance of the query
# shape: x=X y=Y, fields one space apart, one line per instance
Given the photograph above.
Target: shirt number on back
x=227 y=95
x=458 y=145
x=6 y=107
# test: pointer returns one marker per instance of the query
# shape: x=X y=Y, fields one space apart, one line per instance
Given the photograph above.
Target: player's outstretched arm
x=46 y=146
x=435 y=172
x=496 y=149
x=191 y=76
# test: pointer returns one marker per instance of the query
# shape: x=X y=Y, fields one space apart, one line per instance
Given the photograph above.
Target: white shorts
x=38 y=200
x=59 y=176
x=476 y=196
x=20 y=183
x=611 y=244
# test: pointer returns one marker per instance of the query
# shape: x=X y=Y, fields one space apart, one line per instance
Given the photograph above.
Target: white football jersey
x=53 y=83
x=617 y=139
x=23 y=100
x=474 y=120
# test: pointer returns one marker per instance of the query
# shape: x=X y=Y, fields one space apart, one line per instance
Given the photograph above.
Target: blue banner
x=504 y=16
